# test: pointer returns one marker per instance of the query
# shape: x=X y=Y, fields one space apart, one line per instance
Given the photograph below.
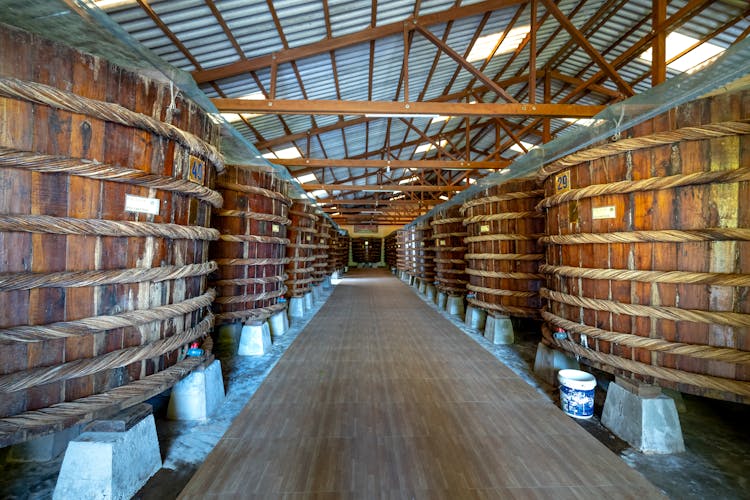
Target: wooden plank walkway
x=381 y=397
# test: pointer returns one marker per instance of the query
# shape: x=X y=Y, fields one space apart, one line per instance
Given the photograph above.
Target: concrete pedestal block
x=422 y=287
x=255 y=340
x=327 y=283
x=315 y=291
x=43 y=449
x=455 y=306
x=309 y=300
x=297 y=307
x=112 y=461
x=430 y=292
x=441 y=300
x=649 y=423
x=199 y=395
x=278 y=323
x=412 y=280
x=228 y=335
x=476 y=318
x=499 y=330
x=549 y=361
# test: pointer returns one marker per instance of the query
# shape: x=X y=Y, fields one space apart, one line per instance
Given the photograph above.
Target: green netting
x=81 y=24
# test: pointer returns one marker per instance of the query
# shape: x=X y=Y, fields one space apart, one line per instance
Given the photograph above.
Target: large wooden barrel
x=503 y=252
x=321 y=239
x=448 y=235
x=251 y=251
x=390 y=245
x=648 y=250
x=401 y=263
x=366 y=250
x=105 y=203
x=411 y=243
x=424 y=253
x=340 y=251
x=300 y=249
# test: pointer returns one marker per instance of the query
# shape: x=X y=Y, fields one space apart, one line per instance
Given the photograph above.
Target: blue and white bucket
x=577 y=393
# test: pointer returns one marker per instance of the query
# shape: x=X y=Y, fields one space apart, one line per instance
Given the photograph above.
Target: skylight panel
x=302 y=179
x=289 y=153
x=516 y=147
x=692 y=61
x=484 y=44
x=423 y=148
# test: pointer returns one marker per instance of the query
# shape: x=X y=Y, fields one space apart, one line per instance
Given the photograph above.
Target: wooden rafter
x=327 y=45
x=384 y=108
x=384 y=187
x=583 y=42
x=415 y=164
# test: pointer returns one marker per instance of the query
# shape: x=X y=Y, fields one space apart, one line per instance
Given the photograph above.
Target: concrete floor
x=715 y=465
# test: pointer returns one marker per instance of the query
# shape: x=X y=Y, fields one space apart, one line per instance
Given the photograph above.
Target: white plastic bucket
x=577 y=393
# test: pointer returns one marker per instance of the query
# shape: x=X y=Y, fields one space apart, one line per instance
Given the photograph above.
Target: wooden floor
x=380 y=397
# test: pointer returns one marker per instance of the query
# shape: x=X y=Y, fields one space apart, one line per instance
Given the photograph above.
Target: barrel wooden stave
x=301 y=249
x=682 y=208
x=450 y=266
x=268 y=199
x=38 y=128
x=512 y=244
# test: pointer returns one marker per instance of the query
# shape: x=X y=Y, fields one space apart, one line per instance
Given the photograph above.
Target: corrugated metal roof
x=303 y=23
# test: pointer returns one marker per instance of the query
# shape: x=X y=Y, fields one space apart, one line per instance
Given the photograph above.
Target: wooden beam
x=330 y=44
x=371 y=202
x=463 y=62
x=583 y=42
x=659 y=46
x=384 y=187
x=417 y=164
x=332 y=107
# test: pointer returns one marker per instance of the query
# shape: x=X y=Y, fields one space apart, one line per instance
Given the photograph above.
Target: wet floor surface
x=715 y=464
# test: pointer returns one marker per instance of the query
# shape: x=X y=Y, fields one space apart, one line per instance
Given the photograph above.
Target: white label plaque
x=607 y=212
x=142 y=205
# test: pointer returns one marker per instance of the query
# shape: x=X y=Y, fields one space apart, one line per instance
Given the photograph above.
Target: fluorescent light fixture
x=443 y=197
x=423 y=148
x=332 y=208
x=319 y=193
x=334 y=214
x=253 y=96
x=302 y=179
x=440 y=118
x=289 y=153
x=516 y=147
x=678 y=43
x=485 y=44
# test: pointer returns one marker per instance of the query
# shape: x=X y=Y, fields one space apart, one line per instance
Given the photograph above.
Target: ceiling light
x=439 y=118
x=335 y=214
x=443 y=197
x=678 y=43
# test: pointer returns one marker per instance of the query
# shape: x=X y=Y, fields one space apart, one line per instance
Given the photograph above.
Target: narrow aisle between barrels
x=380 y=396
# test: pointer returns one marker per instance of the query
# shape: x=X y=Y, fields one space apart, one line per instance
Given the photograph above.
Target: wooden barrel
x=251 y=251
x=300 y=249
x=448 y=235
x=401 y=264
x=648 y=250
x=366 y=250
x=390 y=245
x=503 y=252
x=424 y=254
x=105 y=203
x=410 y=239
x=321 y=238
x=340 y=251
